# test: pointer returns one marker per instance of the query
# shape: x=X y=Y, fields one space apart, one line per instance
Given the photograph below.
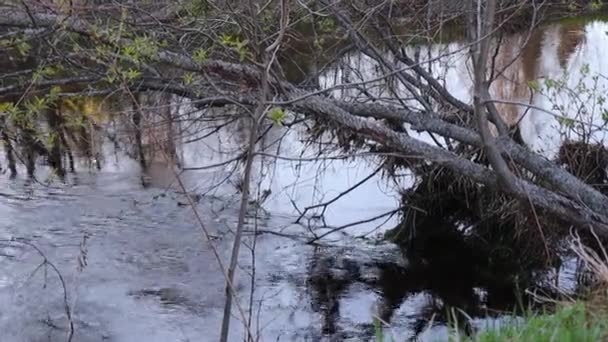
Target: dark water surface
x=150 y=277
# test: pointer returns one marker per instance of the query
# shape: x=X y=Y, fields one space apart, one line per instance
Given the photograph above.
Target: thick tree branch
x=562 y=207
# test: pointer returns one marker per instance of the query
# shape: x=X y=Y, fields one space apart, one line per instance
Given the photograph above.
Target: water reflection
x=450 y=284
x=148 y=269
x=150 y=277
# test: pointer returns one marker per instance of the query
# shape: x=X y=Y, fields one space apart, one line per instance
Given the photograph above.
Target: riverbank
x=582 y=319
x=576 y=321
x=537 y=315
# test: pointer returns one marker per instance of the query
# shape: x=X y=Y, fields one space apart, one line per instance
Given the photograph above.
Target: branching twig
x=46 y=262
x=325 y=205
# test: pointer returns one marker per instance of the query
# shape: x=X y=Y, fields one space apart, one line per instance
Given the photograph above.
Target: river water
x=149 y=274
x=136 y=266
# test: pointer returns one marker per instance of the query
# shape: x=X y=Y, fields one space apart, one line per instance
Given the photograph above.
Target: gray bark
x=567 y=197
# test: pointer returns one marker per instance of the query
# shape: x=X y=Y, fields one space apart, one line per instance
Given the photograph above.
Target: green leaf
x=327 y=25
x=378 y=330
x=188 y=78
x=23 y=48
x=50 y=71
x=141 y=48
x=566 y=122
x=200 y=55
x=236 y=43
x=132 y=74
x=129 y=51
x=6 y=107
x=113 y=74
x=53 y=94
x=51 y=139
x=277 y=116
x=534 y=85
x=228 y=40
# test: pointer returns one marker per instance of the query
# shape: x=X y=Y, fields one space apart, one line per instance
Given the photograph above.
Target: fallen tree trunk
x=544 y=169
x=567 y=197
x=566 y=209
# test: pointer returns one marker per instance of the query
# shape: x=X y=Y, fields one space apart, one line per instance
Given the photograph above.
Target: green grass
x=571 y=323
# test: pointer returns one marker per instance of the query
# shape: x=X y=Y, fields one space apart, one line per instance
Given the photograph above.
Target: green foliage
x=132 y=74
x=23 y=48
x=53 y=94
x=575 y=104
x=77 y=111
x=7 y=107
x=100 y=50
x=140 y=50
x=136 y=49
x=318 y=43
x=117 y=74
x=378 y=332
x=236 y=43
x=51 y=139
x=549 y=83
x=75 y=122
x=534 y=85
x=45 y=72
x=605 y=115
x=572 y=323
x=200 y=55
x=596 y=5
x=36 y=105
x=566 y=122
x=95 y=31
x=19 y=43
x=277 y=116
x=113 y=74
x=26 y=114
x=188 y=78
x=327 y=25
x=198 y=8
